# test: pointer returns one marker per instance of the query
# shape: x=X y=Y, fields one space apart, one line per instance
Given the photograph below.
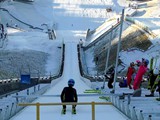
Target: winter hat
x=146 y=61
x=138 y=61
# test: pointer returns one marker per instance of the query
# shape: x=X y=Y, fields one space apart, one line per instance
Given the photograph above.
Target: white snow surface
x=71 y=19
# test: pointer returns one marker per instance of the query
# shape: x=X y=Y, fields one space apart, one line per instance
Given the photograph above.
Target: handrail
x=70 y=103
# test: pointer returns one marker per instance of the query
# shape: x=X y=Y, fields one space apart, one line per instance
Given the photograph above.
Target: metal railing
x=70 y=103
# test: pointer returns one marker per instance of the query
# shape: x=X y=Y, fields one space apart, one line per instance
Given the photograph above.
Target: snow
x=83 y=112
x=153 y=52
x=70 y=19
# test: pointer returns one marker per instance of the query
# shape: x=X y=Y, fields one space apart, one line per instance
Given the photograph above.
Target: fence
x=72 y=103
x=8 y=105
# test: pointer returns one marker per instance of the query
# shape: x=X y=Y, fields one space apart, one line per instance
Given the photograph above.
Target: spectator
x=141 y=71
x=130 y=72
x=154 y=83
x=136 y=66
x=111 y=77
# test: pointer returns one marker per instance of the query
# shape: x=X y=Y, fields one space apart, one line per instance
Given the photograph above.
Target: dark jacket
x=69 y=94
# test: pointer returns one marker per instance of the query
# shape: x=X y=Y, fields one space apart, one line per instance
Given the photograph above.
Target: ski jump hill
x=43 y=100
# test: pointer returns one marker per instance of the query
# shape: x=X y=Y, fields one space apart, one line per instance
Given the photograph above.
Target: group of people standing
x=135 y=73
x=134 y=76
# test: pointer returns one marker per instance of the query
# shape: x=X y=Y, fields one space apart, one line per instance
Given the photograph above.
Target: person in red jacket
x=139 y=76
x=69 y=94
x=129 y=74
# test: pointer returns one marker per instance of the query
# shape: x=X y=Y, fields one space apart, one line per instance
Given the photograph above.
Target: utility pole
x=107 y=58
x=118 y=49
